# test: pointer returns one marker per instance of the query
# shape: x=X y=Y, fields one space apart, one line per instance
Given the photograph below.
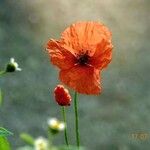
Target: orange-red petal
x=83 y=36
x=85 y=80
x=102 y=55
x=59 y=56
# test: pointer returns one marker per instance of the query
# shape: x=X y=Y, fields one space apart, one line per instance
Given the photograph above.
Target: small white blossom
x=61 y=126
x=12 y=61
x=52 y=122
x=55 y=124
x=12 y=66
x=41 y=143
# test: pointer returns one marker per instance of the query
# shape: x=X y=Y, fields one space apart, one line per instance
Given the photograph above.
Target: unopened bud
x=62 y=95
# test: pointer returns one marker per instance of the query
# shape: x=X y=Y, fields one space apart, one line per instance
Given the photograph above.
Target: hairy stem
x=64 y=118
x=76 y=119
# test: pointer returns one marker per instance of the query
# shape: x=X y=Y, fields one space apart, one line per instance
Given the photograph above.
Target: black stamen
x=83 y=59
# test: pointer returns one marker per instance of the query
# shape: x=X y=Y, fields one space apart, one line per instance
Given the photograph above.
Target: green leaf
x=2 y=72
x=4 y=145
x=27 y=138
x=4 y=132
x=1 y=98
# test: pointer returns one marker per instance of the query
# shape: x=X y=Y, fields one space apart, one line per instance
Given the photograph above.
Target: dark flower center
x=83 y=59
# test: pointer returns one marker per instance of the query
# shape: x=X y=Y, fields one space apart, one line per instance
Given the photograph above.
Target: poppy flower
x=62 y=95
x=83 y=50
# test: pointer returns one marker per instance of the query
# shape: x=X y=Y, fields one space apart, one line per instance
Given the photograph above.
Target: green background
x=107 y=121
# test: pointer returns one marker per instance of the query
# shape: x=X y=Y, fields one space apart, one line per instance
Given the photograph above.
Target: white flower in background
x=12 y=61
x=55 y=125
x=52 y=122
x=12 y=66
x=41 y=143
x=61 y=126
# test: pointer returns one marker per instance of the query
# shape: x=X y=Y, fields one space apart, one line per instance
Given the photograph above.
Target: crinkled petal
x=102 y=55
x=85 y=80
x=84 y=36
x=59 y=56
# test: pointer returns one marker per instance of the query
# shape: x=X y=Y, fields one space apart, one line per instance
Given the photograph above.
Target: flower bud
x=12 y=66
x=55 y=125
x=62 y=95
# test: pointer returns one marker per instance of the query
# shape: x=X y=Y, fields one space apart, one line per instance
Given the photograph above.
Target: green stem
x=76 y=119
x=64 y=118
x=50 y=137
x=2 y=72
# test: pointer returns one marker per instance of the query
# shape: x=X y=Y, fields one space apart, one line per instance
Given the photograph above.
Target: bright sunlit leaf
x=4 y=144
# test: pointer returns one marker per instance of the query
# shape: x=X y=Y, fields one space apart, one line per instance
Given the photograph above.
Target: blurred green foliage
x=106 y=121
x=4 y=132
x=4 y=145
x=1 y=97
